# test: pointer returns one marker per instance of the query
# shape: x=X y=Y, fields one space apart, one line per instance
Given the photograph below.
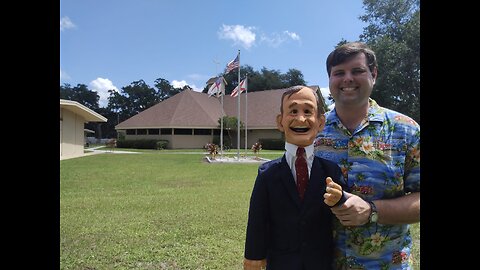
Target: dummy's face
x=300 y=121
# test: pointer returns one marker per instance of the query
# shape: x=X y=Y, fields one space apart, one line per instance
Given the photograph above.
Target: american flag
x=235 y=63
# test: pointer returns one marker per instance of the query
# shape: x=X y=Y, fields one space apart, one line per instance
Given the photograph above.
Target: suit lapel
x=289 y=181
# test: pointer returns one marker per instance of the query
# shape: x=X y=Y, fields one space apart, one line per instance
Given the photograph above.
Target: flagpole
x=246 y=109
x=238 y=110
x=221 y=130
x=221 y=116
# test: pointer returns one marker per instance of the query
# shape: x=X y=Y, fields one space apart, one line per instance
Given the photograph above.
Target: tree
x=138 y=96
x=230 y=123
x=293 y=77
x=394 y=34
x=266 y=79
x=166 y=90
x=80 y=94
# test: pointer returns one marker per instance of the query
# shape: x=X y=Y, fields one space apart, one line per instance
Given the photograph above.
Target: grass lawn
x=156 y=210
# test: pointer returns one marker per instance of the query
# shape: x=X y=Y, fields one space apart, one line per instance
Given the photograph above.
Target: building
x=190 y=119
x=73 y=117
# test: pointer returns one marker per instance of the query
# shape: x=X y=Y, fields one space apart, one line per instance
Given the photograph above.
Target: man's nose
x=348 y=77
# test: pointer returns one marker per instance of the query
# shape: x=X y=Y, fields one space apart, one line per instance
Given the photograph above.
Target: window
x=182 y=131
x=202 y=131
x=166 y=131
x=141 y=131
x=130 y=131
x=153 y=131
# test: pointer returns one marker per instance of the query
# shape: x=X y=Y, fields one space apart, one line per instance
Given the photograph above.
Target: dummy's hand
x=333 y=192
x=254 y=264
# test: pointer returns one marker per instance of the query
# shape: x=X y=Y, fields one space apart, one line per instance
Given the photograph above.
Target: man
x=378 y=151
x=289 y=219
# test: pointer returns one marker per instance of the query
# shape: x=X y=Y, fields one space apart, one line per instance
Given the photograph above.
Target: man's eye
x=294 y=111
x=338 y=73
x=358 y=71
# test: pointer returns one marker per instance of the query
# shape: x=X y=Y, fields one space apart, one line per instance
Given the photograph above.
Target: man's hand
x=353 y=212
x=333 y=192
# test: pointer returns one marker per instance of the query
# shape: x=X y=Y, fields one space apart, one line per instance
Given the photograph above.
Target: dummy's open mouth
x=300 y=129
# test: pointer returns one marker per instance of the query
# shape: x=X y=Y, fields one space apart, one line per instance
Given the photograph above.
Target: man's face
x=351 y=82
x=300 y=120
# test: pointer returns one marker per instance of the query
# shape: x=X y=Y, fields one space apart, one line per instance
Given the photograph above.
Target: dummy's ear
x=321 y=122
x=279 y=123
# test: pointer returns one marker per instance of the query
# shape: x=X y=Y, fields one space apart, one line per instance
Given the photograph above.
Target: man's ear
x=374 y=75
x=279 y=123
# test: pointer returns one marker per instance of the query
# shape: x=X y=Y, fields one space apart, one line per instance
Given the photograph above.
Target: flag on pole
x=235 y=63
x=243 y=87
x=218 y=87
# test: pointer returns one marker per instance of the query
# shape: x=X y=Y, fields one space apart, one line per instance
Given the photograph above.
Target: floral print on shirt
x=379 y=160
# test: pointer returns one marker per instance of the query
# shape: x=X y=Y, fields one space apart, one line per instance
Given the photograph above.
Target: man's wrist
x=373 y=217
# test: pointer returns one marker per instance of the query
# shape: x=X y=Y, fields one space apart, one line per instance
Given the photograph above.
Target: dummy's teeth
x=300 y=128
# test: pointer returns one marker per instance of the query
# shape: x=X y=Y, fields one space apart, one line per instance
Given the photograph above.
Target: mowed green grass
x=155 y=210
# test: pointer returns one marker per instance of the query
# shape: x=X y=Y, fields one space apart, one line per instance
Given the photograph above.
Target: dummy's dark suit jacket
x=291 y=234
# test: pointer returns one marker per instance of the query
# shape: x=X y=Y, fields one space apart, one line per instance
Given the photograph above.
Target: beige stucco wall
x=199 y=141
x=71 y=134
x=254 y=136
x=177 y=141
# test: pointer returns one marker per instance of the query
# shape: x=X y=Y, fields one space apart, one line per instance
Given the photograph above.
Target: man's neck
x=351 y=116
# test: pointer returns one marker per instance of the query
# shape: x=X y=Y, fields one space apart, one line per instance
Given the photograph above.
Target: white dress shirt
x=291 y=156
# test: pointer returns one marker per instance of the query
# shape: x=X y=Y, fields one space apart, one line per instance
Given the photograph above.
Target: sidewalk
x=95 y=150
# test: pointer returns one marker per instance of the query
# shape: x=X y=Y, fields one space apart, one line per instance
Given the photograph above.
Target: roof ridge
x=193 y=96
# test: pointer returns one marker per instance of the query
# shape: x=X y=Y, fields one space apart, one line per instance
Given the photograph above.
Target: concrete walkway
x=96 y=150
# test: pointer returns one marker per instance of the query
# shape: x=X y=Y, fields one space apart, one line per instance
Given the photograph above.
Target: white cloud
x=66 y=23
x=239 y=34
x=275 y=39
x=182 y=83
x=101 y=86
x=64 y=76
x=292 y=35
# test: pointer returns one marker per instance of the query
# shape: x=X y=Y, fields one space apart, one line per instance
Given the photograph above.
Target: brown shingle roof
x=190 y=109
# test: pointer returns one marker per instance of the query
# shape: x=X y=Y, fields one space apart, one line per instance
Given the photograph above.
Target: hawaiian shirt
x=380 y=160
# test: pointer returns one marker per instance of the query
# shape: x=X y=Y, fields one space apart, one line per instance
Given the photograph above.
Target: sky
x=108 y=44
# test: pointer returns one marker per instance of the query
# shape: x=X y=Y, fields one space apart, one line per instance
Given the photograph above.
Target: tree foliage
x=80 y=94
x=230 y=124
x=394 y=34
x=265 y=79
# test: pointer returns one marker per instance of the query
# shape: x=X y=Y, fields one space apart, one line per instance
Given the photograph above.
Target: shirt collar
x=292 y=149
x=375 y=114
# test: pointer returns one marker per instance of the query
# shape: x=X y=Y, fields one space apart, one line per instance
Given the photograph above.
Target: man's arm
x=402 y=210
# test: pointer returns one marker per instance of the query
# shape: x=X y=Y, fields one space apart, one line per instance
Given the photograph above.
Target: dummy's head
x=301 y=115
